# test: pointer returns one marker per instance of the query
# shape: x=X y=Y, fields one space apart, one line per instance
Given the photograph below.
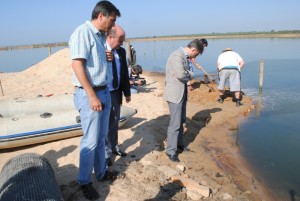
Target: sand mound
x=50 y=76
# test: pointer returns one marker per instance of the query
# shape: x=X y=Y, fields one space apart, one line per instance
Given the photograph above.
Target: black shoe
x=108 y=162
x=120 y=153
x=181 y=149
x=173 y=158
x=89 y=192
x=238 y=103
x=220 y=100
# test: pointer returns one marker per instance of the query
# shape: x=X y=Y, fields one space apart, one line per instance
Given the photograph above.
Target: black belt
x=96 y=88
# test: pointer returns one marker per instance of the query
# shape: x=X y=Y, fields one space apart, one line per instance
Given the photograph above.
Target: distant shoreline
x=217 y=36
x=288 y=34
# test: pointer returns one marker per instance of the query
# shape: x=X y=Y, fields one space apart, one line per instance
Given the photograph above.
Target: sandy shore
x=210 y=133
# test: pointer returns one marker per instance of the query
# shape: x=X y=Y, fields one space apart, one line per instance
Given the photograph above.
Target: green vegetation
x=272 y=33
x=42 y=45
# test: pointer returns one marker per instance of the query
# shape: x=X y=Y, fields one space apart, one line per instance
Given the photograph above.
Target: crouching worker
x=230 y=64
x=135 y=79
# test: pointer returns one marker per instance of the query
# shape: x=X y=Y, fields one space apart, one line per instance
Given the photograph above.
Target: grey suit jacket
x=178 y=73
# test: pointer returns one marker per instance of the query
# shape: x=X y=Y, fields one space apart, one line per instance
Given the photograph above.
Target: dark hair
x=196 y=44
x=137 y=68
x=204 y=42
x=106 y=8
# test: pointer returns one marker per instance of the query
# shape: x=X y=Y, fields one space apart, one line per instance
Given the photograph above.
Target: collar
x=108 y=47
x=92 y=27
x=185 y=54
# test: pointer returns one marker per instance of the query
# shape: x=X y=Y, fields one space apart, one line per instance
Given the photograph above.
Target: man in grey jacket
x=178 y=73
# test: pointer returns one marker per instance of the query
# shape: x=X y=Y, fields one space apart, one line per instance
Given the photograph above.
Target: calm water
x=19 y=60
x=269 y=139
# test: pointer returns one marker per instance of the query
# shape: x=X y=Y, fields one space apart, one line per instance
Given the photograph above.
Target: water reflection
x=259 y=102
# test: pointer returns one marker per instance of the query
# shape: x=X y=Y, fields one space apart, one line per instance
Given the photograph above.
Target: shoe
x=120 y=153
x=181 y=149
x=220 y=100
x=238 y=103
x=108 y=162
x=173 y=158
x=109 y=175
x=89 y=192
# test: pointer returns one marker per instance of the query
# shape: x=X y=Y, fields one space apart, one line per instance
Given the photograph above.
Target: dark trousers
x=112 y=137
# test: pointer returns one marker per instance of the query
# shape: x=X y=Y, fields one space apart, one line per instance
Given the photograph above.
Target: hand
x=96 y=104
x=109 y=55
x=128 y=99
x=199 y=67
x=139 y=82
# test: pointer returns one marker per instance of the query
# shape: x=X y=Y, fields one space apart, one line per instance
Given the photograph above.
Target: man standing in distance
x=91 y=95
x=119 y=86
x=178 y=73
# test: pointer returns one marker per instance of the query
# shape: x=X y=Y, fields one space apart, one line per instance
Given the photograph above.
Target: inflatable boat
x=43 y=119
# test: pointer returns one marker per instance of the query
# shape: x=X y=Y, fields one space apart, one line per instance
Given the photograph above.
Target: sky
x=50 y=21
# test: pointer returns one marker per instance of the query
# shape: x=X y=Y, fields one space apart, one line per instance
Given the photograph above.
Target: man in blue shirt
x=91 y=97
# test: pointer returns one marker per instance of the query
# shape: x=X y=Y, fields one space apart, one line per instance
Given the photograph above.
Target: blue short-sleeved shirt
x=88 y=43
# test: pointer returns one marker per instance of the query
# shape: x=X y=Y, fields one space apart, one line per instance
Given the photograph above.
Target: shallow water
x=269 y=139
x=19 y=60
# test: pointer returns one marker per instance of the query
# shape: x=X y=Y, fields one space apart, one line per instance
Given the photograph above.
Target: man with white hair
x=118 y=87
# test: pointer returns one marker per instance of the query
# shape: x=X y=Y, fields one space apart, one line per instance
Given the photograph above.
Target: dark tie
x=115 y=74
